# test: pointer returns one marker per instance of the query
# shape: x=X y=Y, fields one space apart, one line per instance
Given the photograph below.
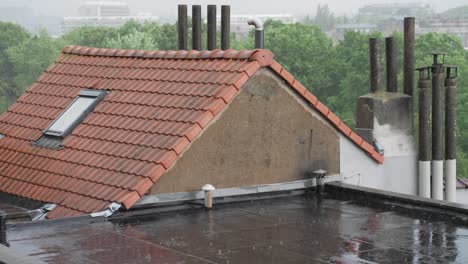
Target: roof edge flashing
x=113 y=207
x=41 y=213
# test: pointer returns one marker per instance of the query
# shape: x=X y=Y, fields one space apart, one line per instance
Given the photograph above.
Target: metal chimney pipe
x=437 y=129
x=424 y=164
x=3 y=230
x=375 y=65
x=225 y=27
x=182 y=27
x=408 y=56
x=391 y=62
x=259 y=35
x=450 y=134
x=196 y=27
x=211 y=45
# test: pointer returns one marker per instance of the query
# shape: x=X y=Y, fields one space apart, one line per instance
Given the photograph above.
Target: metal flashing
x=234 y=191
x=108 y=212
x=41 y=213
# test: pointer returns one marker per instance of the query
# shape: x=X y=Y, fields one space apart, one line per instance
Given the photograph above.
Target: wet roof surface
x=295 y=229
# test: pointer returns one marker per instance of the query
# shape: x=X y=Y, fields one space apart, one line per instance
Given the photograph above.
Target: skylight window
x=74 y=113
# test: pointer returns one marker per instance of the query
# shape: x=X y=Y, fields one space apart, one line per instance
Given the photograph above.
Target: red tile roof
x=115 y=154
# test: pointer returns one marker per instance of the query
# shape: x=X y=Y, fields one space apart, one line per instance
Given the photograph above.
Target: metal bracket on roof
x=41 y=213
x=108 y=212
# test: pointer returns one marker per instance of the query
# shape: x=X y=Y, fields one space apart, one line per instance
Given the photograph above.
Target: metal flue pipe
x=211 y=20
x=196 y=27
x=391 y=56
x=375 y=65
x=259 y=36
x=437 y=128
x=408 y=55
x=225 y=27
x=424 y=164
x=182 y=27
x=450 y=133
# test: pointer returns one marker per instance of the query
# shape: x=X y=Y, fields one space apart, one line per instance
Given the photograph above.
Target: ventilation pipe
x=437 y=127
x=208 y=190
x=450 y=133
x=3 y=230
x=424 y=176
x=408 y=56
x=375 y=65
x=211 y=20
x=182 y=27
x=259 y=42
x=196 y=27
x=225 y=27
x=391 y=62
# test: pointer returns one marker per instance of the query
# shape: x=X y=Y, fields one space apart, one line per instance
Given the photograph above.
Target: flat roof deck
x=306 y=228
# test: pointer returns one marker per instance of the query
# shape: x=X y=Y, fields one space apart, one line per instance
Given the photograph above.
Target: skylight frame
x=97 y=95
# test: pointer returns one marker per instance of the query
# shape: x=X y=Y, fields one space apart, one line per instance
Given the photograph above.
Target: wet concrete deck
x=297 y=229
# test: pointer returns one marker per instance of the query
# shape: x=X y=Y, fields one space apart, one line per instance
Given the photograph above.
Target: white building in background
x=241 y=28
x=103 y=14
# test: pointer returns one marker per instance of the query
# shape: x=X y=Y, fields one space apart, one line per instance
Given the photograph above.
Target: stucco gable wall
x=267 y=134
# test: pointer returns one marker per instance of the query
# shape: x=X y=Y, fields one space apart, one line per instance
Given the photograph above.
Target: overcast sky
x=169 y=7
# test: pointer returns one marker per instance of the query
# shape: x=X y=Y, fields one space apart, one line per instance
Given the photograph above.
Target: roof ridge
x=263 y=56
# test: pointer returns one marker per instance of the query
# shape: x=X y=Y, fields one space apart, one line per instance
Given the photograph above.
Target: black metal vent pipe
x=3 y=230
x=375 y=65
x=437 y=127
x=408 y=56
x=211 y=20
x=391 y=63
x=182 y=27
x=196 y=27
x=450 y=133
x=225 y=27
x=259 y=36
x=424 y=164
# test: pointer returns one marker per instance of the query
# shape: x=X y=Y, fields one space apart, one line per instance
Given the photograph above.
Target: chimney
x=196 y=27
x=385 y=118
x=375 y=65
x=182 y=27
x=437 y=165
x=450 y=133
x=225 y=27
x=391 y=55
x=211 y=20
x=258 y=31
x=424 y=163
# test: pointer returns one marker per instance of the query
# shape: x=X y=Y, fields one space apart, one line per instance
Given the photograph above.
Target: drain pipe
x=259 y=41
x=424 y=177
x=3 y=230
x=225 y=27
x=208 y=189
x=211 y=27
x=375 y=65
x=450 y=133
x=196 y=27
x=437 y=127
x=182 y=27
x=391 y=62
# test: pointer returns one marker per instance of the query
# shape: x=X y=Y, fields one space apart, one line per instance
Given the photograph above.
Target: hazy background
x=168 y=8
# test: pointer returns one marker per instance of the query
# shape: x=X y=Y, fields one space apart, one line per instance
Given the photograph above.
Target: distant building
x=340 y=30
x=241 y=28
x=103 y=14
x=389 y=10
x=104 y=9
x=452 y=26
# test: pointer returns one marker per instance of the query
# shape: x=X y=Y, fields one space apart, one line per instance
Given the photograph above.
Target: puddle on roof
x=296 y=229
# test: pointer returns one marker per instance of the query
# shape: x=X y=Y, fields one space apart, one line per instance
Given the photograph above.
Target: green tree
x=11 y=35
x=31 y=58
x=132 y=40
